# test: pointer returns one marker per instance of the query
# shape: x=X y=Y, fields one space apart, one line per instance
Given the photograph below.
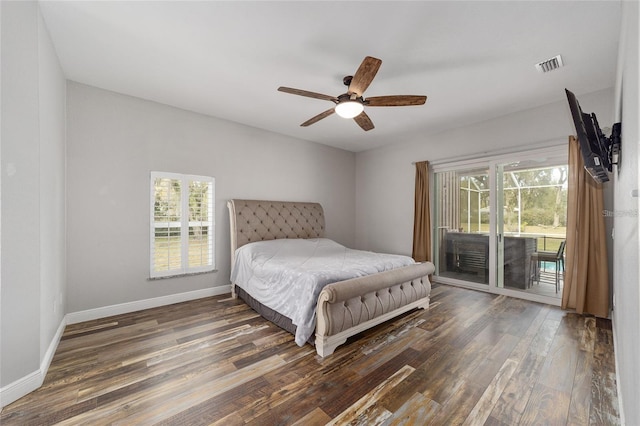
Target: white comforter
x=287 y=275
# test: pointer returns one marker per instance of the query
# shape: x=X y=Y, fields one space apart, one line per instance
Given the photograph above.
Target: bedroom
x=113 y=141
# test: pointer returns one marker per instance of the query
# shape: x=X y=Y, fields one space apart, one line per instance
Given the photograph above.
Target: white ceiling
x=473 y=59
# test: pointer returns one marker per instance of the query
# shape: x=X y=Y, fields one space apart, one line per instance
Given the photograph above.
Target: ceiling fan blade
x=364 y=121
x=307 y=94
x=364 y=75
x=318 y=117
x=395 y=100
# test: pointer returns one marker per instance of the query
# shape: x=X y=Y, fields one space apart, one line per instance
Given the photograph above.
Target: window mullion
x=184 y=226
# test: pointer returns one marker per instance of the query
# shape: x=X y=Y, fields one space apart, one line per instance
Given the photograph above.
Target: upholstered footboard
x=348 y=307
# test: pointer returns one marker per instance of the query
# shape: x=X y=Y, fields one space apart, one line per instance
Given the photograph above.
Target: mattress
x=287 y=275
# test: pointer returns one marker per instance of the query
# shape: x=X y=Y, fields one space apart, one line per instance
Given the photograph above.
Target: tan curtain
x=586 y=286
x=421 y=217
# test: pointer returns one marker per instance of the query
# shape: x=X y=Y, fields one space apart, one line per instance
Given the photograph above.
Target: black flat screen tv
x=598 y=151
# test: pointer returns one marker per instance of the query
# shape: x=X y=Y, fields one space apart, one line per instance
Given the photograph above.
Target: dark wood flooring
x=473 y=358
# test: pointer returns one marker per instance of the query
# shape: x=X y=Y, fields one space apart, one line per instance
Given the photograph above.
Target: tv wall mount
x=598 y=151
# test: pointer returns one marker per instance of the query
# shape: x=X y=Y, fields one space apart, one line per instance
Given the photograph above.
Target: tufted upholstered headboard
x=258 y=220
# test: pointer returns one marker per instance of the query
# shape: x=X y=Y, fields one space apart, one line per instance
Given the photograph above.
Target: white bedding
x=287 y=275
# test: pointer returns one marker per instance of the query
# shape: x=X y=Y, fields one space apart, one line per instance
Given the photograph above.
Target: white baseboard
x=29 y=383
x=21 y=387
x=138 y=305
x=617 y=363
x=51 y=350
x=34 y=380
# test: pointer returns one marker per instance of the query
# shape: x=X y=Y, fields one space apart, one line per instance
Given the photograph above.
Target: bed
x=345 y=305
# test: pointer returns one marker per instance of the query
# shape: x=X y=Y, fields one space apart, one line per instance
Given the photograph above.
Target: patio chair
x=548 y=256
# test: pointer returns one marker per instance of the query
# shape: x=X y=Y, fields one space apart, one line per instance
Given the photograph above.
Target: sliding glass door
x=462 y=224
x=499 y=224
x=532 y=202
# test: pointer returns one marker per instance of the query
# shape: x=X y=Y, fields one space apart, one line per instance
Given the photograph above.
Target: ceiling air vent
x=550 y=64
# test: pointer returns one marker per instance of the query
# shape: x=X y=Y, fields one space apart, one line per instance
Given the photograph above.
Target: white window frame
x=184 y=225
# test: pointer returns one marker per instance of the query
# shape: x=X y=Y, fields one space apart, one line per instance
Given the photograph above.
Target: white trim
x=548 y=144
x=27 y=384
x=138 y=305
x=518 y=294
x=617 y=364
x=21 y=387
x=559 y=149
x=51 y=350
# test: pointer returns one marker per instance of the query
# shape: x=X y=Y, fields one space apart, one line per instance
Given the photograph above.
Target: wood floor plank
x=546 y=406
x=531 y=340
x=221 y=409
x=483 y=408
x=580 y=404
x=418 y=410
x=315 y=418
x=301 y=395
x=365 y=411
x=422 y=379
x=386 y=351
x=190 y=390
x=366 y=384
x=560 y=366
x=492 y=421
x=230 y=420
x=458 y=407
x=604 y=407
x=536 y=340
x=512 y=403
x=495 y=360
x=472 y=358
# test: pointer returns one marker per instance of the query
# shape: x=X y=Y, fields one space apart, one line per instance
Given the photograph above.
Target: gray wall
x=385 y=177
x=53 y=280
x=32 y=211
x=114 y=141
x=626 y=311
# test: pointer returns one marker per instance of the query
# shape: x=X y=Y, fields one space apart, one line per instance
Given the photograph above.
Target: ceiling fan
x=352 y=103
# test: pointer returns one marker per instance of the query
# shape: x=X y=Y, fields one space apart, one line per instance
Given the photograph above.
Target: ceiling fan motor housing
x=347 y=97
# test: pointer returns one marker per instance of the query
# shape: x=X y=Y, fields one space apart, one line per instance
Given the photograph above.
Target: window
x=182 y=224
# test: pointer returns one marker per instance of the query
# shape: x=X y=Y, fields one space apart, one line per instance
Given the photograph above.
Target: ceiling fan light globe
x=349 y=109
